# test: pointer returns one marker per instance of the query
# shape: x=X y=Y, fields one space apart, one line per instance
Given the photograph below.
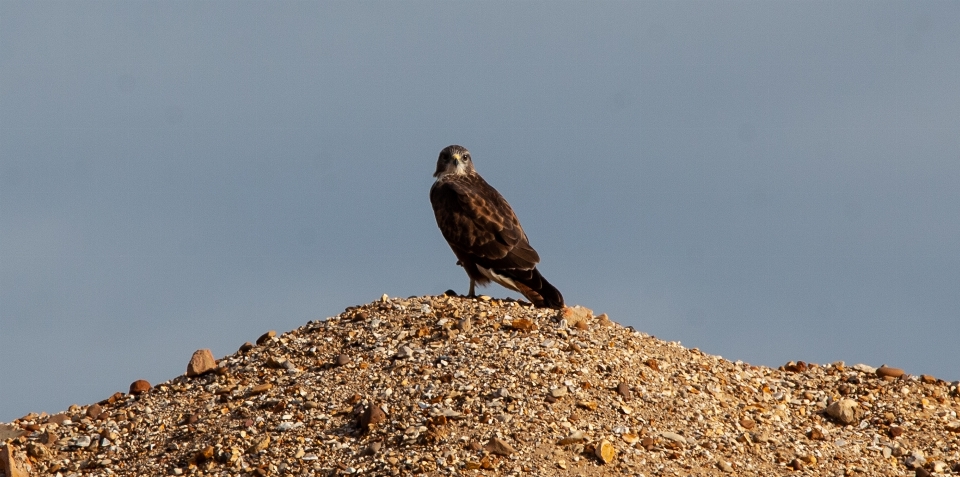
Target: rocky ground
x=455 y=386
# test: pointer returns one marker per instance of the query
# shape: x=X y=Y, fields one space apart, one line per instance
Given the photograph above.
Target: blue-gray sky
x=767 y=181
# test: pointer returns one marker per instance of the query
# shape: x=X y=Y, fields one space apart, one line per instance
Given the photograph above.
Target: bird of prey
x=483 y=231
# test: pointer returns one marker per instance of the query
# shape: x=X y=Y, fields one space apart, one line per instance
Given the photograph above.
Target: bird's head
x=454 y=160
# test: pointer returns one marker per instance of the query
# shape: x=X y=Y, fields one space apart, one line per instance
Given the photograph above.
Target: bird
x=484 y=232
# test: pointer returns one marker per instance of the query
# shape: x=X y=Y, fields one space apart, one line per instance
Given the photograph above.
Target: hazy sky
x=768 y=181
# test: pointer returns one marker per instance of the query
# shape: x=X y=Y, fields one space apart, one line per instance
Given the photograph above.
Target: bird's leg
x=471 y=294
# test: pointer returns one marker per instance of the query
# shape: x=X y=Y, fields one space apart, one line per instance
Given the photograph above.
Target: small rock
x=604 y=320
x=342 y=359
x=847 y=411
x=465 y=324
x=915 y=460
x=588 y=405
x=896 y=431
x=797 y=367
x=499 y=447
x=260 y=389
x=404 y=352
x=246 y=347
x=371 y=416
x=266 y=337
x=674 y=437
x=38 y=450
x=725 y=466
x=203 y=455
x=49 y=437
x=523 y=324
x=10 y=432
x=9 y=463
x=761 y=437
x=373 y=449
x=559 y=392
x=624 y=391
x=59 y=419
x=866 y=369
x=201 y=362
x=82 y=441
x=139 y=386
x=795 y=464
x=884 y=371
x=921 y=472
x=747 y=423
x=605 y=452
x=575 y=315
x=94 y=411
x=259 y=445
x=574 y=438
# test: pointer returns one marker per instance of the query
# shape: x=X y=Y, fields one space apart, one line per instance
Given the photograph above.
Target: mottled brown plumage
x=484 y=232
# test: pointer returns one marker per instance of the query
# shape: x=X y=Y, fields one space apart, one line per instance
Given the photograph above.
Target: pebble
x=342 y=359
x=588 y=405
x=674 y=437
x=201 y=362
x=10 y=432
x=747 y=423
x=404 y=352
x=886 y=371
x=624 y=391
x=847 y=411
x=605 y=452
x=574 y=438
x=260 y=389
x=915 y=459
x=139 y=386
x=266 y=337
x=260 y=444
x=287 y=425
x=10 y=464
x=499 y=447
x=725 y=466
x=863 y=368
x=94 y=411
x=576 y=316
x=559 y=392
x=371 y=417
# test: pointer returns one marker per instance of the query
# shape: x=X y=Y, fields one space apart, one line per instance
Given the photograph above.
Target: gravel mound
x=440 y=385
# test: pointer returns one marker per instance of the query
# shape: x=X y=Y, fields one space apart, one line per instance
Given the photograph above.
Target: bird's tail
x=536 y=288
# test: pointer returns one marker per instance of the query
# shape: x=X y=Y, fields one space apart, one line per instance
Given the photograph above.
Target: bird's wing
x=477 y=221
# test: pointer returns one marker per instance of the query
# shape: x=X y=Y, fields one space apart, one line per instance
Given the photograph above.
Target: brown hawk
x=483 y=231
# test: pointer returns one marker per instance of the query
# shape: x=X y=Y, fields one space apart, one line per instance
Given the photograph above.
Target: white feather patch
x=502 y=280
